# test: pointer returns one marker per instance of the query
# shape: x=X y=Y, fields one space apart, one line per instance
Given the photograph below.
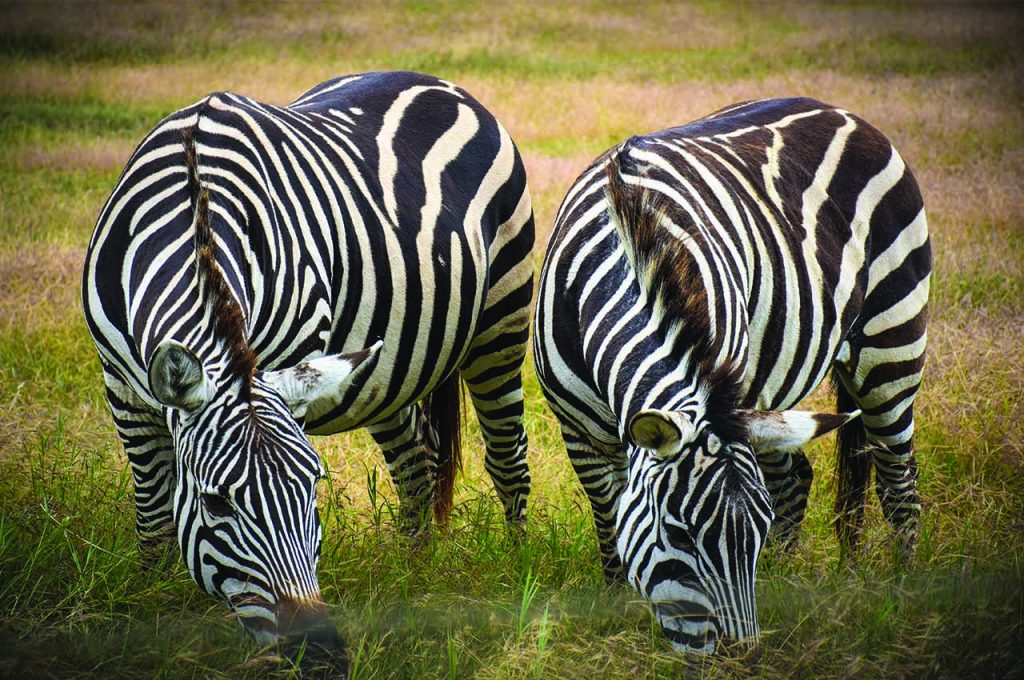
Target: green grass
x=534 y=41
x=83 y=82
x=473 y=598
x=35 y=122
x=49 y=206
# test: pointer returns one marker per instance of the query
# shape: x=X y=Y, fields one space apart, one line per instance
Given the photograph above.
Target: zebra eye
x=678 y=536
x=217 y=505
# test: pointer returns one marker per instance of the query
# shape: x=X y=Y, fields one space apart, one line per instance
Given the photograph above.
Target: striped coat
x=263 y=272
x=699 y=283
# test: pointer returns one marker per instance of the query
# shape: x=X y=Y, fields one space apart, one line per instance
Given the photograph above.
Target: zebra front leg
x=788 y=476
x=150 y=450
x=603 y=480
x=411 y=459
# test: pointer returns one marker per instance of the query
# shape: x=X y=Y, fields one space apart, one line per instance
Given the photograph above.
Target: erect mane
x=228 y=319
x=670 y=276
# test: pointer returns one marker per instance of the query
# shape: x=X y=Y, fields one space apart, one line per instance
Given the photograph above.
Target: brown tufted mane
x=669 y=274
x=228 y=319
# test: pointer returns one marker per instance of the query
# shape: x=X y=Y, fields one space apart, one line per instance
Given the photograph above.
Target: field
x=82 y=82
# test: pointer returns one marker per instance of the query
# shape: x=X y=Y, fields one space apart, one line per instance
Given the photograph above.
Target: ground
x=81 y=83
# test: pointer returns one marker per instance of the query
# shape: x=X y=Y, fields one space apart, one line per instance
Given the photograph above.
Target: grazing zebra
x=260 y=273
x=700 y=282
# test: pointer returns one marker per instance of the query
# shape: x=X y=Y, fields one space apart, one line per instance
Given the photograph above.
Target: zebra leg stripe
x=150 y=451
x=492 y=372
x=603 y=483
x=896 y=486
x=788 y=476
x=404 y=439
x=499 y=411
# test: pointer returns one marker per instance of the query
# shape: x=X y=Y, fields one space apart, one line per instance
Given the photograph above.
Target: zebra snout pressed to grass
x=261 y=273
x=699 y=283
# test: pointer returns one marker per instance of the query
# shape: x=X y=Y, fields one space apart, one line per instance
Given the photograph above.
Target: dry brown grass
x=40 y=317
x=39 y=285
x=99 y=155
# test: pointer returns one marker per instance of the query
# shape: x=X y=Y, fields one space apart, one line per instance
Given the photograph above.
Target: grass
x=81 y=82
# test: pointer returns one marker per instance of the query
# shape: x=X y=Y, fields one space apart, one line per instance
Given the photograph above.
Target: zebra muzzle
x=310 y=637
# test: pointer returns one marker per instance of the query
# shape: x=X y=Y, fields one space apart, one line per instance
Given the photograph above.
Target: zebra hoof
x=156 y=552
x=415 y=526
x=906 y=551
x=517 y=529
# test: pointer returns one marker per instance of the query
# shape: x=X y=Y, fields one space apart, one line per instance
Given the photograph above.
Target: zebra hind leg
x=411 y=457
x=788 y=476
x=492 y=366
x=882 y=438
x=896 y=487
x=499 y=410
x=492 y=374
x=880 y=363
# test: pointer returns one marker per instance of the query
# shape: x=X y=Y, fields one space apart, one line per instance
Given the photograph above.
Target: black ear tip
x=826 y=422
x=367 y=355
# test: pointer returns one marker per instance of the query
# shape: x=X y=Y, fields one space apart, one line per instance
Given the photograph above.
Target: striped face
x=245 y=498
x=692 y=521
x=246 y=510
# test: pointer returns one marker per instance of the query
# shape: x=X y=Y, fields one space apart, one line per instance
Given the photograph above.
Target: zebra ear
x=319 y=383
x=664 y=433
x=177 y=377
x=788 y=430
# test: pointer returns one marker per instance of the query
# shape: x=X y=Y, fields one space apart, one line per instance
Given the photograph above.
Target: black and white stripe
x=699 y=282
x=263 y=272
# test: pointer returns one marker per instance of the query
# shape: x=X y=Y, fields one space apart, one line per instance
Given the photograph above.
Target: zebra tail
x=443 y=409
x=853 y=473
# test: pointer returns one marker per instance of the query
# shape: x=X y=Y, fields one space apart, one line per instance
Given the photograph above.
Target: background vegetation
x=81 y=82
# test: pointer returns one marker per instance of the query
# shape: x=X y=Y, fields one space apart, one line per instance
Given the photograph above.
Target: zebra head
x=696 y=513
x=245 y=497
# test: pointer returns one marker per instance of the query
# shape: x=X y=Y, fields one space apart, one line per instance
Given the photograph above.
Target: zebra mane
x=228 y=319
x=669 y=275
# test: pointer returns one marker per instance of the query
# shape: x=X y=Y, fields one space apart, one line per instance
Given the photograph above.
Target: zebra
x=699 y=282
x=262 y=273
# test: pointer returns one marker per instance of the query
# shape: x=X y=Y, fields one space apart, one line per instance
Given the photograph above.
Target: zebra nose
x=746 y=649
x=310 y=637
x=297 y=617
x=319 y=652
